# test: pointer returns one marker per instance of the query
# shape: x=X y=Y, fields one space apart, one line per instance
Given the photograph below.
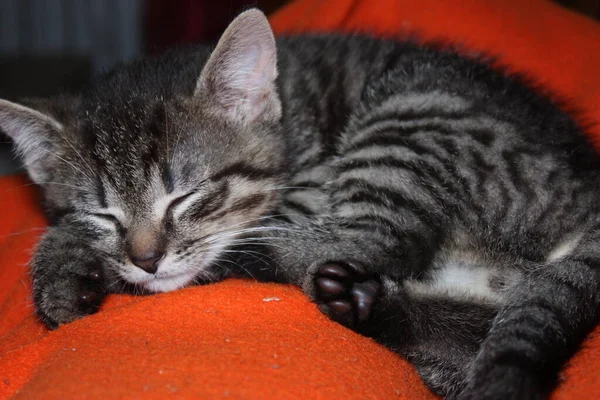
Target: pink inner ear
x=254 y=69
x=249 y=77
x=240 y=74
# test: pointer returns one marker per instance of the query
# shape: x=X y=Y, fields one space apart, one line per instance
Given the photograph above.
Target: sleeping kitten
x=418 y=197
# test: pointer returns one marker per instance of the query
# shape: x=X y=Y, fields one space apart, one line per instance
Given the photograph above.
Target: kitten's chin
x=168 y=284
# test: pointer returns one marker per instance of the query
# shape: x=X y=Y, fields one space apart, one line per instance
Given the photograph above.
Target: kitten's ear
x=34 y=133
x=239 y=78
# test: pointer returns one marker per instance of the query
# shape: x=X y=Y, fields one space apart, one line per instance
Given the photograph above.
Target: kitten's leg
x=440 y=335
x=377 y=226
x=69 y=280
x=294 y=252
x=549 y=314
x=364 y=228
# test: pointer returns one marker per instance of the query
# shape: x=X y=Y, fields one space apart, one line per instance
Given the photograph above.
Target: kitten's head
x=165 y=181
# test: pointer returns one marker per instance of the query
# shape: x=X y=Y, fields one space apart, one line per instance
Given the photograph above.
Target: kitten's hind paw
x=346 y=292
x=501 y=381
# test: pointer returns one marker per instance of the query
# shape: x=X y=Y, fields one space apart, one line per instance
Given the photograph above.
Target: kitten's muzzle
x=148 y=261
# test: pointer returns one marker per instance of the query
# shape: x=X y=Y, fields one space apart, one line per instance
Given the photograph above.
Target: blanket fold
x=241 y=339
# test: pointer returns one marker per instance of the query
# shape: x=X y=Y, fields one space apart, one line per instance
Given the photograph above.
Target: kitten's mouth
x=172 y=275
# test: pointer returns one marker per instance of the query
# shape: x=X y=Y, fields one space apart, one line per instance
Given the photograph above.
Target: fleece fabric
x=246 y=340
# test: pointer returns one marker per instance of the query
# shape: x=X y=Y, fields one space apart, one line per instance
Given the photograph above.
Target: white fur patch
x=565 y=248
x=162 y=204
x=167 y=278
x=102 y=222
x=158 y=284
x=459 y=276
x=117 y=213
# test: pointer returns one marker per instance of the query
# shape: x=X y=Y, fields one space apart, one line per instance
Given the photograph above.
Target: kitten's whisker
x=244 y=269
x=46 y=183
x=294 y=188
x=252 y=254
x=231 y=239
x=265 y=217
x=218 y=262
x=166 y=127
x=257 y=238
x=255 y=254
x=117 y=281
x=61 y=184
x=177 y=140
x=22 y=232
x=70 y=164
x=253 y=242
x=265 y=229
x=77 y=152
x=230 y=234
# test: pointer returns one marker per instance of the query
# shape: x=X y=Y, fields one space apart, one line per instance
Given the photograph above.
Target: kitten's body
x=437 y=206
x=471 y=200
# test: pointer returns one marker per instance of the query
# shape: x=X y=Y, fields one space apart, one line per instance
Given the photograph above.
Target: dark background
x=47 y=46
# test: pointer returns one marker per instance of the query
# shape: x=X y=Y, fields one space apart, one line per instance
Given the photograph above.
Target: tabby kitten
x=418 y=197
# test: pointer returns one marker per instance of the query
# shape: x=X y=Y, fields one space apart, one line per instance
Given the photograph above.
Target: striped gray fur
x=457 y=206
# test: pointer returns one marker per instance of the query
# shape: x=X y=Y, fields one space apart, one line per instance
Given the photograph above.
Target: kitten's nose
x=147 y=261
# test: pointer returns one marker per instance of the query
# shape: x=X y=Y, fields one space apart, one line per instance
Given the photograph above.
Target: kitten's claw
x=336 y=271
x=330 y=288
x=346 y=293
x=96 y=275
x=364 y=296
x=90 y=298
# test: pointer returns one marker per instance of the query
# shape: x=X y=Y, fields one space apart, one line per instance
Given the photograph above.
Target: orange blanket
x=240 y=339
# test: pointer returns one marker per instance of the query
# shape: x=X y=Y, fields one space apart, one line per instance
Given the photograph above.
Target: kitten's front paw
x=345 y=292
x=68 y=289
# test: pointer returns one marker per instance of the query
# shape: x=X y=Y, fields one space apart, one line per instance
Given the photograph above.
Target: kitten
x=418 y=197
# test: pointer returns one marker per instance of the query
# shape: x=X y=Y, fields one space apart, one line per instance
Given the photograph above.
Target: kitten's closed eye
x=199 y=198
x=178 y=201
x=109 y=220
x=200 y=207
x=179 y=204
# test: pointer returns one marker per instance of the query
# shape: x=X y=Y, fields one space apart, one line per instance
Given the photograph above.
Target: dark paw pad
x=90 y=298
x=346 y=293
